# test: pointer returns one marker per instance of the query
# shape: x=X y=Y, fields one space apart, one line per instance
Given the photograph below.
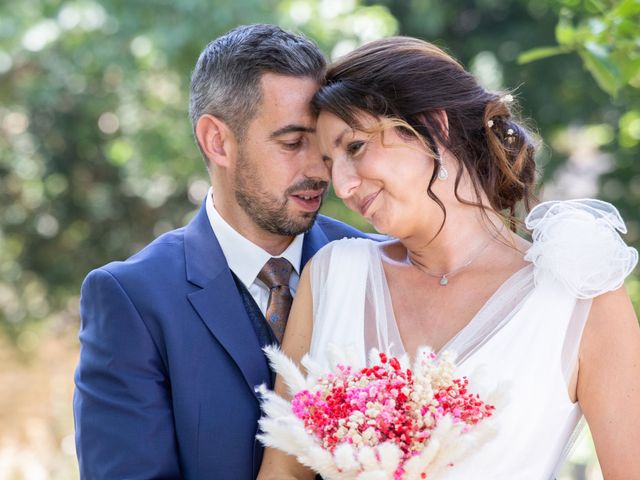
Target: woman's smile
x=366 y=203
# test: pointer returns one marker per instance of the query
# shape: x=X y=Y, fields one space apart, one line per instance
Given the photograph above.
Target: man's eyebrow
x=291 y=129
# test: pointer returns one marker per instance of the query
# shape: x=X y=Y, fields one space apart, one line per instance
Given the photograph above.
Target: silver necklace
x=444 y=277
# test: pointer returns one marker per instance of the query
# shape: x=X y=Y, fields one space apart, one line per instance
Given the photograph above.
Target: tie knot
x=276 y=272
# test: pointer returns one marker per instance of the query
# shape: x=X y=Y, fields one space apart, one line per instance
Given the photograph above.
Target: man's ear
x=216 y=140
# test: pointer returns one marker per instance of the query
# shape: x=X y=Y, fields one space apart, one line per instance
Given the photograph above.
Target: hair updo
x=410 y=81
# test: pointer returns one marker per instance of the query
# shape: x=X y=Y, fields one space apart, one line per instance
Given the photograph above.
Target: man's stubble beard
x=268 y=211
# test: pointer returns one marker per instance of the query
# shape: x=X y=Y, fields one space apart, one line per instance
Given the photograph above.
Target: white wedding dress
x=525 y=338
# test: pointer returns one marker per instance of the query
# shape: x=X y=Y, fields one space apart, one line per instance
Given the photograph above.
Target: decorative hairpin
x=490 y=124
x=507 y=98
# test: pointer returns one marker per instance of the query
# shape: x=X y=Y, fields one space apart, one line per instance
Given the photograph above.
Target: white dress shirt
x=246 y=259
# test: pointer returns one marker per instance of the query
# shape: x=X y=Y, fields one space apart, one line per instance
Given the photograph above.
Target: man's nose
x=315 y=166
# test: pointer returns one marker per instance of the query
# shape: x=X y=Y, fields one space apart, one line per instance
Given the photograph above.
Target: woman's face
x=383 y=177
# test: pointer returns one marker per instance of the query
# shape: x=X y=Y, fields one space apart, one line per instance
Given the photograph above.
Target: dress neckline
x=510 y=293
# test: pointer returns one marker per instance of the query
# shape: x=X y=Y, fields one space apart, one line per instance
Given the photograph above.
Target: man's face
x=280 y=178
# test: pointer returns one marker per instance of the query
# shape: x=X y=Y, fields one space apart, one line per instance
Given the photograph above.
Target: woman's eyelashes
x=354 y=148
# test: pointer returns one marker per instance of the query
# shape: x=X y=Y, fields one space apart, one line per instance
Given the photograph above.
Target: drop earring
x=443 y=173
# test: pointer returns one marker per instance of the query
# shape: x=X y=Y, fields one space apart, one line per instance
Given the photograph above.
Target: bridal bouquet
x=385 y=421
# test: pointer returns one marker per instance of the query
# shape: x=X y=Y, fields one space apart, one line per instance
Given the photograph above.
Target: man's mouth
x=308 y=200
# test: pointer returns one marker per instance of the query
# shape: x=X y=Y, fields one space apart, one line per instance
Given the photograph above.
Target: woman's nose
x=345 y=179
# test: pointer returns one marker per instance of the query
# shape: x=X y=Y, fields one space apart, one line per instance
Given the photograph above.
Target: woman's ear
x=437 y=120
x=215 y=139
x=440 y=118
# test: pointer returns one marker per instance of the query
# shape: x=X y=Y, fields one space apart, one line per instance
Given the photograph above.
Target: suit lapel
x=222 y=311
x=218 y=302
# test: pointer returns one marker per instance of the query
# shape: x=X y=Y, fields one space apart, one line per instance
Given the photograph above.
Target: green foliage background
x=96 y=152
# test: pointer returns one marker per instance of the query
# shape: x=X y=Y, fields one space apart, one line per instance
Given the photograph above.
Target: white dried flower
x=490 y=124
x=507 y=98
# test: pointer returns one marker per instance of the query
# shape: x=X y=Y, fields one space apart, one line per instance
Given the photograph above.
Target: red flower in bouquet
x=394 y=422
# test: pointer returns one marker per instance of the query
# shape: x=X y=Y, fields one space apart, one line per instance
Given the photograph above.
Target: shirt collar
x=244 y=257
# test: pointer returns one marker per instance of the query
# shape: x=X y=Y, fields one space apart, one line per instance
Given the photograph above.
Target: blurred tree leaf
x=540 y=53
x=605 y=71
x=565 y=33
x=607 y=42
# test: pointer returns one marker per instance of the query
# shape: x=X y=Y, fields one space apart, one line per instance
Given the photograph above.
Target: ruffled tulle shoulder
x=577 y=242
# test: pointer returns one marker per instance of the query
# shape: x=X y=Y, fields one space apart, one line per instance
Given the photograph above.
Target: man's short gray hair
x=226 y=79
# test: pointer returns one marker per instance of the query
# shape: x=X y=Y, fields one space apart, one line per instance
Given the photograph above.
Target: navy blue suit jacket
x=169 y=361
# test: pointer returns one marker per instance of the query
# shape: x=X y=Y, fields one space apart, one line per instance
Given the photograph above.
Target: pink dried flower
x=381 y=403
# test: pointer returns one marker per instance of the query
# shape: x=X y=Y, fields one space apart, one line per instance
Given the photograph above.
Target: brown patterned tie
x=275 y=274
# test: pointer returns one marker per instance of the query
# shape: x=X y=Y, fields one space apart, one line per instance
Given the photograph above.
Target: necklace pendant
x=444 y=280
